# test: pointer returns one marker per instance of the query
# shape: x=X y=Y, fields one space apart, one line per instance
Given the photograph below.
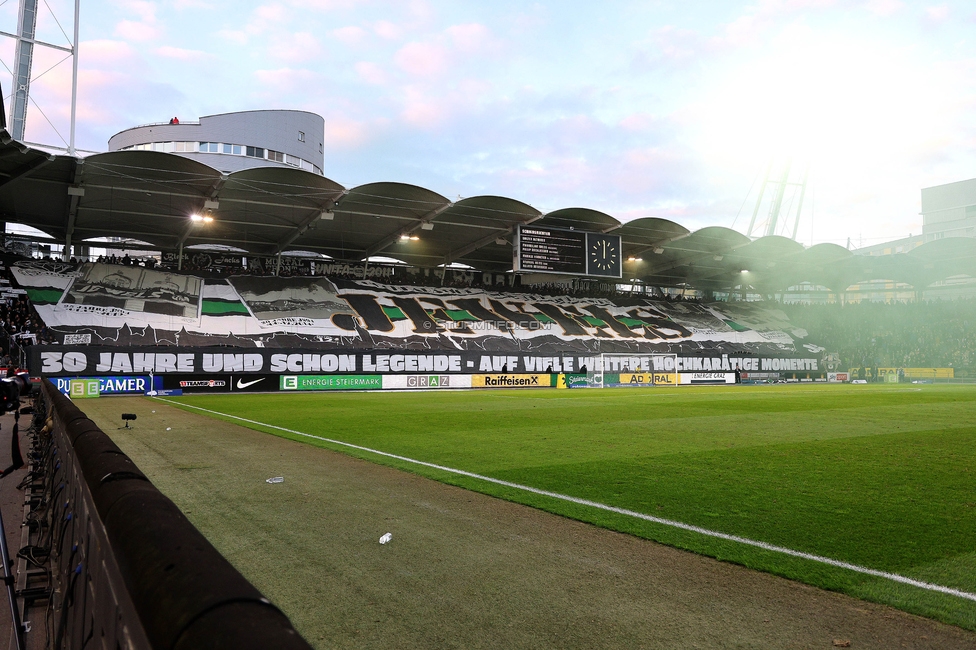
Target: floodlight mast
x=779 y=220
x=23 y=62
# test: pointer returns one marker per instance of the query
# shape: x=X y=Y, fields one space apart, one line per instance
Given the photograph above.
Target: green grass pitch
x=879 y=476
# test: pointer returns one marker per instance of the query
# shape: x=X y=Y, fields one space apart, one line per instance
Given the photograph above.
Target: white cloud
x=350 y=35
x=371 y=73
x=298 y=48
x=182 y=54
x=422 y=59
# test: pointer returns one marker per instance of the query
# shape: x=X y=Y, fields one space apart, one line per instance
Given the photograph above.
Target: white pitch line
x=620 y=511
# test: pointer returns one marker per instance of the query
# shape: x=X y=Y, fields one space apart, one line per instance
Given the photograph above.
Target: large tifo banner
x=131 y=307
x=74 y=361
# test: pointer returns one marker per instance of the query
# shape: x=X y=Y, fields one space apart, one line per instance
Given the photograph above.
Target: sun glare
x=813 y=98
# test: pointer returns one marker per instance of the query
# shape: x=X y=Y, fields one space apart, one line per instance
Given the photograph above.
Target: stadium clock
x=603 y=255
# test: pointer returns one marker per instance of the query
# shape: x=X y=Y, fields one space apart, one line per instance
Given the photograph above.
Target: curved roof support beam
x=217 y=186
x=303 y=226
x=208 y=204
x=484 y=241
x=389 y=240
x=660 y=244
x=26 y=170
x=12 y=151
x=185 y=195
x=681 y=260
x=213 y=202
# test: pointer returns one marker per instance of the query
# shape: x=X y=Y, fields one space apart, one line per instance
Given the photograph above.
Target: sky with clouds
x=651 y=108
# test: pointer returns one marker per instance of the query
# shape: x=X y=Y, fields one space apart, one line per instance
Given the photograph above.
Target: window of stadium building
x=226 y=148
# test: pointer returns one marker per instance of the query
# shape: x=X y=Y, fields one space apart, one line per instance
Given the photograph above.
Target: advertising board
x=423 y=382
x=641 y=379
x=511 y=381
x=331 y=382
x=112 y=385
x=83 y=388
x=706 y=378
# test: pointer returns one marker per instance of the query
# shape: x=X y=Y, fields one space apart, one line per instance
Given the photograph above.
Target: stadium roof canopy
x=149 y=196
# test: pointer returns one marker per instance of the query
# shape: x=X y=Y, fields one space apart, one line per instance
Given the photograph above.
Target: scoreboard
x=570 y=252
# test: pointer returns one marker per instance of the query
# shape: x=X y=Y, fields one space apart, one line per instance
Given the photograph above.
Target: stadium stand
x=936 y=334
x=863 y=335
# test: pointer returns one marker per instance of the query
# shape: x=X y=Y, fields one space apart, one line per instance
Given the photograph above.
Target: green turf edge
x=935 y=605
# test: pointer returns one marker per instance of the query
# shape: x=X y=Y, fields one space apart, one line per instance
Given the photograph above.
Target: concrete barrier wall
x=132 y=571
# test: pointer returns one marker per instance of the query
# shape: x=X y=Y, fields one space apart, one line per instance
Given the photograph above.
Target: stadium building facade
x=231 y=142
x=948 y=211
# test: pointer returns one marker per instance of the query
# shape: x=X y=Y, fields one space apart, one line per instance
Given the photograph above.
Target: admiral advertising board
x=641 y=379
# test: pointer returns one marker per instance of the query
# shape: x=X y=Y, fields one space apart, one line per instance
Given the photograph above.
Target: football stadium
x=249 y=407
x=376 y=416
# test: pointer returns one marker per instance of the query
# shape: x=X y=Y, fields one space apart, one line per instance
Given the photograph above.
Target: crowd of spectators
x=125 y=260
x=20 y=327
x=926 y=334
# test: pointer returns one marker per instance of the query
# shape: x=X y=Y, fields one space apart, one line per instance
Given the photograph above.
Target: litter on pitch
x=275 y=479
x=386 y=538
